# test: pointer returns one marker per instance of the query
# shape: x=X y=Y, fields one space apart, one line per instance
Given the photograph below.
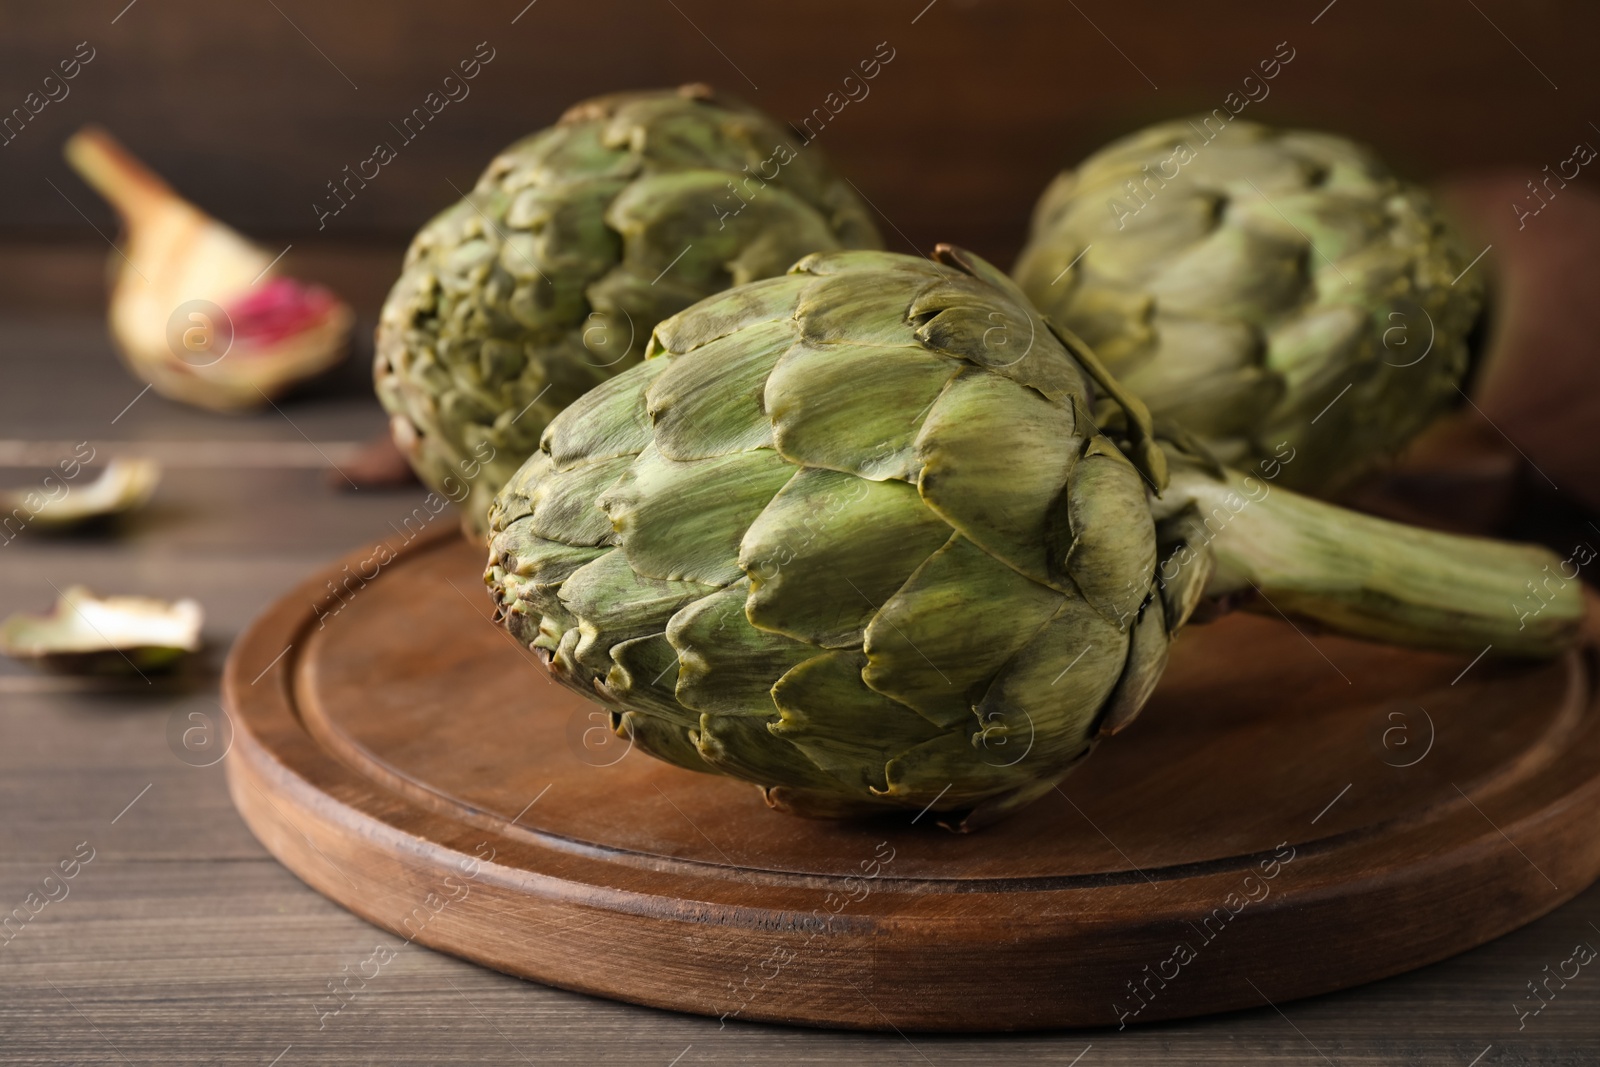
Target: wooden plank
x=64 y=382
x=197 y=962
x=65 y=274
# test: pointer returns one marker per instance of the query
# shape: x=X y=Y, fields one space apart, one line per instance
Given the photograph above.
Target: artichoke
x=1243 y=282
x=549 y=276
x=855 y=534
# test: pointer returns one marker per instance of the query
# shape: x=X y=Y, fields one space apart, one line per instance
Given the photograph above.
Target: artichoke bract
x=549 y=276
x=1263 y=287
x=854 y=534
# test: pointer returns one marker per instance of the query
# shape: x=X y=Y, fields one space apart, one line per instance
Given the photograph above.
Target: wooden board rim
x=393 y=848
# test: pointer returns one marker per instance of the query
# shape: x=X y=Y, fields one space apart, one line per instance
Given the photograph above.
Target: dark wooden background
x=251 y=106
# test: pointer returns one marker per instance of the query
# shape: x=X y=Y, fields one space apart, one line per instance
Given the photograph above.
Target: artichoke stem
x=133 y=189
x=1369 y=578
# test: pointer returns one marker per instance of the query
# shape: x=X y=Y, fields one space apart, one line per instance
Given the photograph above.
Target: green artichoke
x=854 y=534
x=1279 y=292
x=549 y=276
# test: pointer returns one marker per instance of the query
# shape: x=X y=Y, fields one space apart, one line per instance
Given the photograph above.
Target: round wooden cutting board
x=1292 y=814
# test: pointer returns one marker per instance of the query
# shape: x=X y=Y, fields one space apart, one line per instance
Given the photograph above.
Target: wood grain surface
x=184 y=942
x=405 y=757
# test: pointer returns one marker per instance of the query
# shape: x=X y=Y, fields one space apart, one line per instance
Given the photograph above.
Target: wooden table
x=182 y=942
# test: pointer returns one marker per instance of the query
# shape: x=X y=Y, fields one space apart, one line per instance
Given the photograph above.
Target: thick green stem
x=1375 y=579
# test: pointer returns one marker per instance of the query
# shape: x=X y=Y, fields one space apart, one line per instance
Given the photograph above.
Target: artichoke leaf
x=663 y=216
x=1113 y=554
x=1235 y=272
x=847 y=729
x=870 y=261
x=528 y=571
x=609 y=420
x=765 y=233
x=1334 y=224
x=1115 y=324
x=1041 y=708
x=968 y=450
x=683 y=521
x=944 y=774
x=963 y=609
x=863 y=309
x=1320 y=340
x=1185 y=570
x=663 y=739
x=565 y=507
x=1143 y=237
x=1147 y=658
x=627 y=301
x=1003 y=339
x=613 y=604
x=730 y=312
x=829 y=550
x=743 y=746
x=1219 y=406
x=844 y=407
x=708 y=401
x=725 y=665
x=1147 y=456
x=644 y=675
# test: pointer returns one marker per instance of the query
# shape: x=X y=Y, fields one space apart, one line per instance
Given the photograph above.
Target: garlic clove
x=196 y=309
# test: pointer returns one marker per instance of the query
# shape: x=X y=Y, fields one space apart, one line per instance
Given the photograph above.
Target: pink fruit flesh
x=278 y=310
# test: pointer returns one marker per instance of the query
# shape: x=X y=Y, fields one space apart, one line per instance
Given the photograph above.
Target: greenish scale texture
x=1261 y=286
x=851 y=534
x=550 y=275
x=855 y=535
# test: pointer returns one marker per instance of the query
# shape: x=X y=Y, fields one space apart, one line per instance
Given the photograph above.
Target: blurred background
x=250 y=109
